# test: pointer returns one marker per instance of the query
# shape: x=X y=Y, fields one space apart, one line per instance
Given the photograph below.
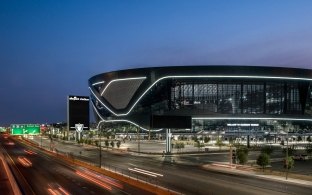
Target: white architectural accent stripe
x=196 y=76
x=121 y=120
x=101 y=82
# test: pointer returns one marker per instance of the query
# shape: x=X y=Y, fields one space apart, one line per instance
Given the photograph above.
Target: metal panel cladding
x=78 y=111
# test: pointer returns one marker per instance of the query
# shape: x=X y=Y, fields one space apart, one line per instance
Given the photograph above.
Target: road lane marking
x=145 y=172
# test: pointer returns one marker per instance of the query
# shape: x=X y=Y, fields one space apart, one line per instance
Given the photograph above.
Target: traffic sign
x=25 y=129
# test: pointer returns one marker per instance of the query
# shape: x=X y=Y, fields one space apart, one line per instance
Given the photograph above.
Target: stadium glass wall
x=229 y=98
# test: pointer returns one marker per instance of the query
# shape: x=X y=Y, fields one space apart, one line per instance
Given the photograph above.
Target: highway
x=38 y=173
x=187 y=179
x=194 y=180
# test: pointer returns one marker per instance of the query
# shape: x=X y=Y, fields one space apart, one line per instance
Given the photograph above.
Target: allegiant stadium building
x=229 y=98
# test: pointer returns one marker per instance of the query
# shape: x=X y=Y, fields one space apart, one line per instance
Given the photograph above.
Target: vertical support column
x=264 y=97
x=138 y=131
x=248 y=141
x=79 y=136
x=149 y=134
x=168 y=141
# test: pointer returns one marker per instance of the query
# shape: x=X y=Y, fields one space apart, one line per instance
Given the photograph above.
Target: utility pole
x=231 y=155
x=100 y=147
x=286 y=160
x=287 y=157
x=41 y=139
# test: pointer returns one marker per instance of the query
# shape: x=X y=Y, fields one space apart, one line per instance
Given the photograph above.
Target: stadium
x=232 y=100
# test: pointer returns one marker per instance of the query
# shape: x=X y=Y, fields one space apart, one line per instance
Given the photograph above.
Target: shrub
x=263 y=160
x=242 y=154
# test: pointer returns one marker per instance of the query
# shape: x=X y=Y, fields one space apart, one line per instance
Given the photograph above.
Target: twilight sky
x=50 y=48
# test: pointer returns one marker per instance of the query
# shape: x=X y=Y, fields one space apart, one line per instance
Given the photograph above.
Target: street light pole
x=231 y=155
x=100 y=148
x=41 y=139
x=287 y=157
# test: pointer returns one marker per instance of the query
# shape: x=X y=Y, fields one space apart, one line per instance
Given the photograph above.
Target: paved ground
x=8 y=184
x=5 y=186
x=228 y=169
x=189 y=158
x=214 y=155
x=300 y=167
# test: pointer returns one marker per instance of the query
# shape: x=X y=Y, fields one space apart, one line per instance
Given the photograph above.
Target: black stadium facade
x=228 y=98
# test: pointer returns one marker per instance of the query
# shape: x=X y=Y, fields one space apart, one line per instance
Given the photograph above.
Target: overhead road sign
x=17 y=129
x=25 y=129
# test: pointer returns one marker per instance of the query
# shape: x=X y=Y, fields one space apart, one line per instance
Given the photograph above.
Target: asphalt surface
x=5 y=186
x=187 y=179
x=47 y=174
x=300 y=167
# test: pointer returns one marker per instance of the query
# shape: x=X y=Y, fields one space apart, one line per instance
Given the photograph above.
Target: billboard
x=168 y=121
x=78 y=111
x=25 y=129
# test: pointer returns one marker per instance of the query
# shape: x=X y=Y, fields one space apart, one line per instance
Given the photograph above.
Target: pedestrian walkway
x=232 y=169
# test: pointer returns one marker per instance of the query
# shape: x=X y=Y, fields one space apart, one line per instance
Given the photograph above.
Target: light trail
x=104 y=179
x=94 y=180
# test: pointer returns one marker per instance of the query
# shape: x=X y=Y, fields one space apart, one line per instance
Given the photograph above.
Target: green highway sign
x=17 y=129
x=25 y=129
x=32 y=129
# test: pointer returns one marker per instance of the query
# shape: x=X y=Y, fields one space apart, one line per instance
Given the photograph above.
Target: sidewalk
x=225 y=168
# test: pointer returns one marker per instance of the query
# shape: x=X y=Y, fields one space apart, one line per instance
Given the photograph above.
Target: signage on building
x=78 y=111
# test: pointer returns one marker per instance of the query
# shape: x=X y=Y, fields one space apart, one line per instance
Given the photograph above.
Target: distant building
x=227 y=98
